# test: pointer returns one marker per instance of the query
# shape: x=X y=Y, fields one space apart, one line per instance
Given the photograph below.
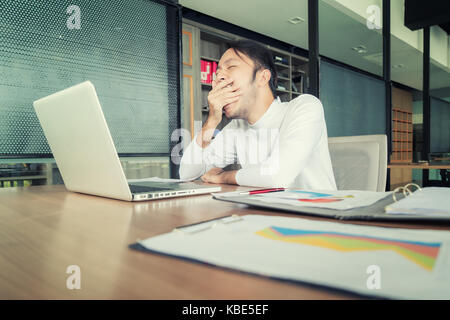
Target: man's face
x=240 y=70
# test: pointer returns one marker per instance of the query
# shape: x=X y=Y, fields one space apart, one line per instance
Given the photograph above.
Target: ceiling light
x=376 y=58
x=399 y=66
x=296 y=20
x=360 y=49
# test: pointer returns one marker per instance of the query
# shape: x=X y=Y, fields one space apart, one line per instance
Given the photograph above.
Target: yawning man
x=277 y=144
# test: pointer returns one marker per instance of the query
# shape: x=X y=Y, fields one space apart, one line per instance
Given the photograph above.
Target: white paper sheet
x=384 y=262
x=428 y=201
x=157 y=179
x=339 y=200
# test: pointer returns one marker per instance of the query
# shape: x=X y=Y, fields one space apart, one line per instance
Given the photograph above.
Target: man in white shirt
x=277 y=144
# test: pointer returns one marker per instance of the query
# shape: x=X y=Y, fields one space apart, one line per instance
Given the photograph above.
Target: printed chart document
x=373 y=261
x=429 y=204
x=339 y=200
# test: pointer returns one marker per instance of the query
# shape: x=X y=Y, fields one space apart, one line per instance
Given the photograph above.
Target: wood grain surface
x=45 y=229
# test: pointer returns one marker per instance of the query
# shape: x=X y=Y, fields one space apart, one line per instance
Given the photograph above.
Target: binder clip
x=405 y=190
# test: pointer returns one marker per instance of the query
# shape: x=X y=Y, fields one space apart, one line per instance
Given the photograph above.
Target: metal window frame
x=426 y=102
x=387 y=81
x=313 y=48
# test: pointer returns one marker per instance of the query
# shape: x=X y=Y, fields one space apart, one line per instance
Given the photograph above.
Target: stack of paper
x=158 y=179
x=428 y=201
x=374 y=261
x=338 y=200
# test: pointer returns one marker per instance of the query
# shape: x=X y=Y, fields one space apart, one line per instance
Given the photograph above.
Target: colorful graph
x=316 y=197
x=423 y=254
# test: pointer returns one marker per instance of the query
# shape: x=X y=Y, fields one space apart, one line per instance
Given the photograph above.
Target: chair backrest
x=359 y=162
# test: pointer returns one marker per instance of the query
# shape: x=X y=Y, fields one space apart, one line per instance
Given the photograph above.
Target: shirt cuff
x=244 y=179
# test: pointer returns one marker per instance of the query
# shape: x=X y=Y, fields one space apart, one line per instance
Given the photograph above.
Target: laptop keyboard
x=143 y=189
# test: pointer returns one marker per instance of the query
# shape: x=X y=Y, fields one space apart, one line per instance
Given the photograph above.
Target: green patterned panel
x=125 y=47
x=354 y=103
x=440 y=125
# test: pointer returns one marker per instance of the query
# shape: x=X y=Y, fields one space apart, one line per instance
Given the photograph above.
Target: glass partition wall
x=439 y=108
x=351 y=86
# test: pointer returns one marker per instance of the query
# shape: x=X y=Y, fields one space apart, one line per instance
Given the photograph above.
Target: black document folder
x=375 y=211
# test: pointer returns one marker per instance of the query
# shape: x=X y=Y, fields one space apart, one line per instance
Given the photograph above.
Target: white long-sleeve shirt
x=286 y=147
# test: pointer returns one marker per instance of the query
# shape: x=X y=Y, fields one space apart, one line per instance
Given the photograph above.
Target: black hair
x=261 y=57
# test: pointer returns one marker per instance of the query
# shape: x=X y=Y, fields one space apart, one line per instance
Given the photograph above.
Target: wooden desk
x=419 y=166
x=45 y=229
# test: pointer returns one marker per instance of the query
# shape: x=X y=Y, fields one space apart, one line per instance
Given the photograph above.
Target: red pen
x=262 y=191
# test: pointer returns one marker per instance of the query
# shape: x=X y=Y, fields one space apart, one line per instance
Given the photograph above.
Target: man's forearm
x=229 y=177
x=192 y=163
x=207 y=132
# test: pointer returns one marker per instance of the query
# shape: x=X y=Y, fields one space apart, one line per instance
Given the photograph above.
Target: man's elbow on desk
x=240 y=177
x=252 y=178
x=190 y=171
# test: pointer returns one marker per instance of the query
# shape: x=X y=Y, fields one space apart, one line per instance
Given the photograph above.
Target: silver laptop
x=79 y=137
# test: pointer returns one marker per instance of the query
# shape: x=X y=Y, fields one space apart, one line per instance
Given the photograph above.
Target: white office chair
x=359 y=162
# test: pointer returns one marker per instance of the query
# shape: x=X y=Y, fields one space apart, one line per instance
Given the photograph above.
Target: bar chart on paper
x=421 y=253
x=412 y=264
x=338 y=200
